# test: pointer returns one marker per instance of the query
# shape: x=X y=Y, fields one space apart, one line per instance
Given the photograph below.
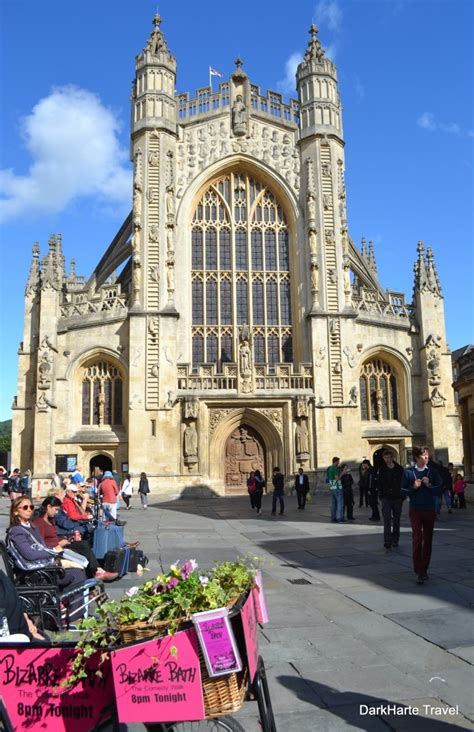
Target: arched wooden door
x=244 y=451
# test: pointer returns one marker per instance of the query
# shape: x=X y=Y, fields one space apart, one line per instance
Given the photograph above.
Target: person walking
x=251 y=485
x=260 y=483
x=278 y=481
x=14 y=484
x=335 y=486
x=363 y=485
x=421 y=483
x=108 y=490
x=301 y=488
x=460 y=489
x=127 y=491
x=347 y=482
x=369 y=487
x=447 y=480
x=389 y=486
x=143 y=490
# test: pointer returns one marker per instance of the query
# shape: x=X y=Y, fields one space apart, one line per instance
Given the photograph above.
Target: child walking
x=459 y=490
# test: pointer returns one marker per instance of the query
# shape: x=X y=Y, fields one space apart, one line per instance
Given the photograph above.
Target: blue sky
x=406 y=80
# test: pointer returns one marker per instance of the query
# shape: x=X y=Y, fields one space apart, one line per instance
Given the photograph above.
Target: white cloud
x=330 y=51
x=329 y=12
x=426 y=121
x=288 y=84
x=73 y=142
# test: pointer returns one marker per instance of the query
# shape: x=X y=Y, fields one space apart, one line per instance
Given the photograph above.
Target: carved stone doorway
x=100 y=462
x=244 y=451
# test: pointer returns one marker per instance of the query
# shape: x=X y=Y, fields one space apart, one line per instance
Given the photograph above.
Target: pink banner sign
x=259 y=599
x=159 y=680
x=29 y=679
x=217 y=642
x=249 y=623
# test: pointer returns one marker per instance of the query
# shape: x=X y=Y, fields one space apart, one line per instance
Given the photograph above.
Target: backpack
x=252 y=486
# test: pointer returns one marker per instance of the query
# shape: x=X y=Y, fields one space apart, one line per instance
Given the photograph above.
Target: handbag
x=77 y=560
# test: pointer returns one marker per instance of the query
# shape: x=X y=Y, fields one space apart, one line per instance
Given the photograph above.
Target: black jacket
x=278 y=481
x=305 y=486
x=389 y=481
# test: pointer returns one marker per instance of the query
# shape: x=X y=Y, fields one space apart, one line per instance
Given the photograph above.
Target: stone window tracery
x=102 y=394
x=378 y=391
x=240 y=253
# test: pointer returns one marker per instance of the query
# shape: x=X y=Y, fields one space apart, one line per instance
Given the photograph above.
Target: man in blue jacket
x=422 y=484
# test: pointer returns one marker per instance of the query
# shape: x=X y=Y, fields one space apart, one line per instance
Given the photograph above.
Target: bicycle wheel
x=221 y=724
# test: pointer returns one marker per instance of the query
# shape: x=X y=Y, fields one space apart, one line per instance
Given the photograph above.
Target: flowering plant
x=169 y=599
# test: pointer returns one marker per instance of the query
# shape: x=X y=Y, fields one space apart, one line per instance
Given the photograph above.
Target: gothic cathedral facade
x=245 y=328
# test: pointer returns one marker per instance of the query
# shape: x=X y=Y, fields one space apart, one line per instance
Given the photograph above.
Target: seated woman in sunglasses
x=29 y=551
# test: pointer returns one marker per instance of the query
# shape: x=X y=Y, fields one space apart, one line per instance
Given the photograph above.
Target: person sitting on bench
x=46 y=525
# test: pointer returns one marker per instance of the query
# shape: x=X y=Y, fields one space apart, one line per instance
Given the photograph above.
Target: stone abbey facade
x=245 y=328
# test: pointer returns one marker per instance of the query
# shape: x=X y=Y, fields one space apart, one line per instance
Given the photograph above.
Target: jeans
x=144 y=500
x=422 y=526
x=278 y=496
x=374 y=505
x=391 y=510
x=349 y=504
x=111 y=508
x=448 y=499
x=337 y=505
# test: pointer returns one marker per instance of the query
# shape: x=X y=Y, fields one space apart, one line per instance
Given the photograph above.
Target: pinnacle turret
x=371 y=258
x=426 y=276
x=315 y=50
x=34 y=277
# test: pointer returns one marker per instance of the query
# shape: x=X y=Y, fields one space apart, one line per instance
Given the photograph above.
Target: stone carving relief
x=154 y=159
x=153 y=233
x=155 y=370
x=137 y=356
x=44 y=370
x=190 y=408
x=169 y=205
x=245 y=361
x=170 y=401
x=433 y=361
x=301 y=406
x=436 y=398
x=216 y=416
x=314 y=273
x=348 y=354
x=353 y=394
x=320 y=357
x=199 y=148
x=43 y=404
x=274 y=415
x=170 y=278
x=137 y=190
x=153 y=326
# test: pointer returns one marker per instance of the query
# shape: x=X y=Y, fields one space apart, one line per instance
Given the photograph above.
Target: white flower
x=132 y=591
x=204 y=580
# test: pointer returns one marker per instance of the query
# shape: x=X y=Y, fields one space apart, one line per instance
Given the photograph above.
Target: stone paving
x=360 y=632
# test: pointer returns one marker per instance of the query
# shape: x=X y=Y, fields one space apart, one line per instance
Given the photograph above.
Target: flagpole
x=210 y=78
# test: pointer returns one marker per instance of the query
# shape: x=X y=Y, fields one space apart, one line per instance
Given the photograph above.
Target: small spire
x=156 y=43
x=35 y=272
x=72 y=269
x=432 y=273
x=53 y=264
x=314 y=50
x=372 y=262
x=422 y=282
x=363 y=248
x=238 y=63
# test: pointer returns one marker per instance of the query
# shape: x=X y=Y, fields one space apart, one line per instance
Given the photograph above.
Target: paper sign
x=259 y=599
x=159 y=680
x=249 y=623
x=217 y=642
x=28 y=678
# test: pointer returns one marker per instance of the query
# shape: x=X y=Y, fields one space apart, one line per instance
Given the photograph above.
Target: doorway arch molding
x=260 y=423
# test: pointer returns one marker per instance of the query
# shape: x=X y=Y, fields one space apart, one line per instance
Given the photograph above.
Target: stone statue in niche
x=153 y=233
x=314 y=278
x=44 y=369
x=245 y=358
x=302 y=438
x=170 y=276
x=101 y=404
x=311 y=204
x=190 y=441
x=239 y=122
x=169 y=204
x=169 y=241
x=136 y=277
x=313 y=242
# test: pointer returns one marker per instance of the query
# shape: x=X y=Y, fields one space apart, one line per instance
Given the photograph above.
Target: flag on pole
x=215 y=72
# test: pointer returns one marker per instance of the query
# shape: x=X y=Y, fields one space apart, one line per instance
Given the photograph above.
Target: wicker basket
x=222 y=694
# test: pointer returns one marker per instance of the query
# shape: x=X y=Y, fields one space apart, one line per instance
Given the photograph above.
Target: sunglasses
x=27 y=507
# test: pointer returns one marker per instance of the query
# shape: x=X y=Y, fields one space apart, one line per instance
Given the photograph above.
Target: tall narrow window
x=240 y=237
x=211 y=302
x=102 y=394
x=378 y=391
x=211 y=348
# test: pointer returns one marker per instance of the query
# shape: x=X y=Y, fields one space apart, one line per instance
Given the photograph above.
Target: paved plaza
x=354 y=629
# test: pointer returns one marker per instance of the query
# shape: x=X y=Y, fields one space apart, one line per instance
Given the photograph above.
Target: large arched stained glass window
x=378 y=391
x=240 y=273
x=102 y=394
